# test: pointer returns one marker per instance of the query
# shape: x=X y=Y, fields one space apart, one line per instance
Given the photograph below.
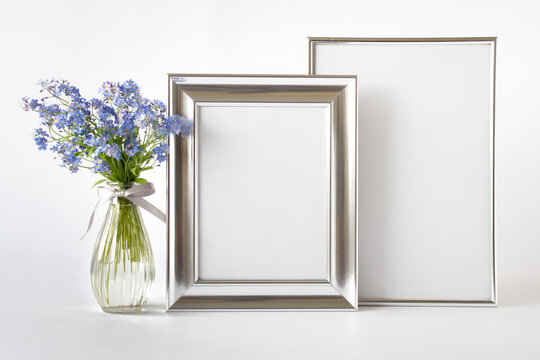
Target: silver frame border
x=312 y=42
x=185 y=291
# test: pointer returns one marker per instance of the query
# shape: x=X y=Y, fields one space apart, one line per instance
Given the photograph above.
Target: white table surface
x=64 y=326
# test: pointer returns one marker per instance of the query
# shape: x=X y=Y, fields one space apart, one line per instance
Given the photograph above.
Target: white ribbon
x=134 y=194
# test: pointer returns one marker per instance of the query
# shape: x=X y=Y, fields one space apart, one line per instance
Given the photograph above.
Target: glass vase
x=122 y=269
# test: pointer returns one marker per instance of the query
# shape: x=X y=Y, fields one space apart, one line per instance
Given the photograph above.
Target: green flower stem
x=124 y=244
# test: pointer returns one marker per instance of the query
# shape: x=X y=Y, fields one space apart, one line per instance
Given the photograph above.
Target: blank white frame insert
x=425 y=166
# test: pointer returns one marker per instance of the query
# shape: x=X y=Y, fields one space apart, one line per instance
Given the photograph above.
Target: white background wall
x=44 y=210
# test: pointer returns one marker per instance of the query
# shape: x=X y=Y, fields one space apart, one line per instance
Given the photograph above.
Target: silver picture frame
x=231 y=246
x=426 y=206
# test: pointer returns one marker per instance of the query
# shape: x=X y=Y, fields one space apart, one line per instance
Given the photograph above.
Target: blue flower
x=161 y=152
x=109 y=89
x=159 y=106
x=64 y=88
x=173 y=124
x=186 y=127
x=109 y=150
x=143 y=116
x=176 y=125
x=100 y=166
x=73 y=165
x=60 y=121
x=70 y=155
x=40 y=138
x=76 y=118
x=106 y=117
x=127 y=125
x=34 y=104
x=132 y=149
x=96 y=103
x=25 y=103
x=46 y=112
x=49 y=85
x=94 y=141
x=73 y=92
x=129 y=87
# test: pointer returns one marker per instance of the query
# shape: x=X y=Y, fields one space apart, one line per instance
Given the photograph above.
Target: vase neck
x=119 y=186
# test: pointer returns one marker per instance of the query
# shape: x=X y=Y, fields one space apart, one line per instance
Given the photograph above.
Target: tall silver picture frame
x=426 y=136
x=261 y=195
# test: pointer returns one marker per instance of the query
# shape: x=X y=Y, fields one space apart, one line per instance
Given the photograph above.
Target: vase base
x=122 y=309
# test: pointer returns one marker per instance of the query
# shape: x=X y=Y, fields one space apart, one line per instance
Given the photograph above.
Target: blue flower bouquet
x=118 y=136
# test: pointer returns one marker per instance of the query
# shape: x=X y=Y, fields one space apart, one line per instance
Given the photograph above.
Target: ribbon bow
x=134 y=194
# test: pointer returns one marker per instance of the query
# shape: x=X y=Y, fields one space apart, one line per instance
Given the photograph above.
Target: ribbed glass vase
x=122 y=270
